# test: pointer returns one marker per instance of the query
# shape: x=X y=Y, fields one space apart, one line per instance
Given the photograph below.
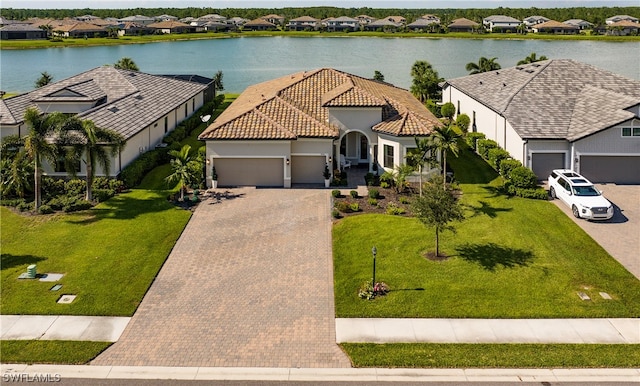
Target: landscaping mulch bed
x=387 y=196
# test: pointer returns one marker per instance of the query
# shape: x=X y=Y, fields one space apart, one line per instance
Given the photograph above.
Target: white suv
x=580 y=195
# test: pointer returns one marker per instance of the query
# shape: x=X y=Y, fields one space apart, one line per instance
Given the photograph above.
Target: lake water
x=248 y=60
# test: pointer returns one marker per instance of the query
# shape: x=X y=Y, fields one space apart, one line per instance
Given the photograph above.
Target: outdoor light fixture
x=208 y=161
x=330 y=159
x=288 y=162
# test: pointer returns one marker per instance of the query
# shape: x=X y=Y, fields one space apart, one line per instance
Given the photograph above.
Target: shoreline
x=93 y=42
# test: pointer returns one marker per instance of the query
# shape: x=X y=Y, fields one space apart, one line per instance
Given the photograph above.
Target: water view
x=248 y=60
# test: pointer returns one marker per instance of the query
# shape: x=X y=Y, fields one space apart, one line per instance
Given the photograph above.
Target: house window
x=62 y=168
x=458 y=112
x=193 y=105
x=166 y=124
x=631 y=131
x=388 y=156
x=186 y=113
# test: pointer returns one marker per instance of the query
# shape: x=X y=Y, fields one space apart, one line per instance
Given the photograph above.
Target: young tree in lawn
x=39 y=142
x=126 y=64
x=445 y=140
x=437 y=208
x=483 y=65
x=185 y=168
x=44 y=79
x=96 y=144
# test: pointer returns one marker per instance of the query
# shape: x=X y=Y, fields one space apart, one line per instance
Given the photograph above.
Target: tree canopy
x=483 y=65
x=425 y=81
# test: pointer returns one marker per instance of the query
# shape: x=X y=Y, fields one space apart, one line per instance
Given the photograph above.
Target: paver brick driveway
x=249 y=283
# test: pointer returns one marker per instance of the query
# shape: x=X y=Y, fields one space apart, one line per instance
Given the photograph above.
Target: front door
x=364 y=148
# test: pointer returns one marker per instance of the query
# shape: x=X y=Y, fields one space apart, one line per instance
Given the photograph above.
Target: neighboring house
x=80 y=30
x=166 y=17
x=579 y=23
x=141 y=107
x=275 y=19
x=462 y=25
x=382 y=25
x=213 y=17
x=259 y=25
x=283 y=131
x=431 y=18
x=139 y=19
x=617 y=18
x=87 y=18
x=557 y=114
x=422 y=25
x=396 y=19
x=342 y=23
x=365 y=19
x=172 y=27
x=21 y=31
x=217 y=26
x=555 y=27
x=303 y=23
x=501 y=23
x=623 y=28
x=533 y=20
x=237 y=21
x=134 y=29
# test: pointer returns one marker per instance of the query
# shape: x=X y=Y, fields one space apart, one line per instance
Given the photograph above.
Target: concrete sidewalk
x=87 y=328
x=17 y=372
x=372 y=330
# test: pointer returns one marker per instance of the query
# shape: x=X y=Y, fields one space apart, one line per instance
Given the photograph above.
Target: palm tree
x=445 y=140
x=483 y=65
x=183 y=166
x=17 y=174
x=217 y=83
x=97 y=144
x=425 y=81
x=45 y=79
x=39 y=143
x=126 y=64
x=47 y=29
x=532 y=59
x=420 y=155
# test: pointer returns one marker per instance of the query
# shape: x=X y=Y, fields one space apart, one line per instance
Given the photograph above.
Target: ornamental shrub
x=374 y=193
x=534 y=193
x=136 y=170
x=524 y=178
x=75 y=187
x=102 y=195
x=394 y=209
x=496 y=155
x=484 y=145
x=45 y=209
x=354 y=194
x=507 y=165
x=373 y=201
x=342 y=207
x=354 y=206
x=335 y=193
x=463 y=121
x=472 y=138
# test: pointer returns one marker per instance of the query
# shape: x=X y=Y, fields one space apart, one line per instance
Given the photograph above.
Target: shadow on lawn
x=9 y=261
x=491 y=255
x=486 y=209
x=128 y=206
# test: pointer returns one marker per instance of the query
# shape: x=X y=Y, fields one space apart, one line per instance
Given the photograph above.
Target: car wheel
x=575 y=211
x=552 y=192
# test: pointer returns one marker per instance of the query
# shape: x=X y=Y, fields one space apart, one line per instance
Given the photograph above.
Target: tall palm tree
x=39 y=143
x=425 y=81
x=217 y=83
x=45 y=79
x=420 y=155
x=98 y=145
x=445 y=140
x=532 y=59
x=17 y=174
x=483 y=65
x=126 y=64
x=184 y=167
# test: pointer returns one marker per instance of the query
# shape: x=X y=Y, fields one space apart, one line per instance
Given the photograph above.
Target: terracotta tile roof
x=554 y=24
x=554 y=99
x=169 y=24
x=463 y=22
x=625 y=23
x=80 y=27
x=298 y=105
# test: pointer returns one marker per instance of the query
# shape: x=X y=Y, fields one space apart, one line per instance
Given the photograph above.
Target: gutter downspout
x=525 y=150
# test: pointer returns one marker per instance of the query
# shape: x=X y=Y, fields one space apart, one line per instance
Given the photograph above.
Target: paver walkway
x=249 y=283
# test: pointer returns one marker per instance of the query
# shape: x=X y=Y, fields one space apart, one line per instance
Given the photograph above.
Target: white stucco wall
x=360 y=119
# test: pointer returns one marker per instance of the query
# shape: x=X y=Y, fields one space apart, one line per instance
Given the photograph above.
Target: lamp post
x=374 y=251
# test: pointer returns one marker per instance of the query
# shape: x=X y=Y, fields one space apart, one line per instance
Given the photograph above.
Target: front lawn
x=511 y=258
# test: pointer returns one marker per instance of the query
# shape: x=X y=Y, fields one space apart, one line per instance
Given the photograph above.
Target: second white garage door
x=264 y=172
x=307 y=169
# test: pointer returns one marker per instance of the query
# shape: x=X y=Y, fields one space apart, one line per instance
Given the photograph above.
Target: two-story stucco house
x=304 y=23
x=141 y=107
x=284 y=131
x=501 y=23
x=557 y=114
x=342 y=23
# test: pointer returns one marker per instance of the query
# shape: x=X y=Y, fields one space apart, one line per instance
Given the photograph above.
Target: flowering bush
x=369 y=292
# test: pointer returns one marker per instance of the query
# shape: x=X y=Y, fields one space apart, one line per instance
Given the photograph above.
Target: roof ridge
x=525 y=84
x=270 y=120
x=306 y=114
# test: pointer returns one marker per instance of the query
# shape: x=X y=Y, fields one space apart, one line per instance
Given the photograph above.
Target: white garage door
x=543 y=163
x=266 y=172
x=621 y=170
x=307 y=169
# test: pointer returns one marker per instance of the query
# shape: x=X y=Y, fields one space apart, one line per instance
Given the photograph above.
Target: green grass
x=510 y=258
x=109 y=255
x=80 y=42
x=430 y=355
x=50 y=351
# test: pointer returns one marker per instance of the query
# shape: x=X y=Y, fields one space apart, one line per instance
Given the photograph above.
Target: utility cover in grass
x=51 y=276
x=66 y=299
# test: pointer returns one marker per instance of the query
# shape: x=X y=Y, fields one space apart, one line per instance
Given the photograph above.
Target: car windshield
x=585 y=191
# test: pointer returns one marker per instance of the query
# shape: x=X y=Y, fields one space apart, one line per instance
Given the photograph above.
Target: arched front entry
x=355 y=147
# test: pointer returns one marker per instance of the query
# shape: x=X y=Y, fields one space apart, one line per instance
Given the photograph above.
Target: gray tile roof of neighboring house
x=554 y=99
x=133 y=100
x=20 y=28
x=297 y=105
x=501 y=19
x=421 y=23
